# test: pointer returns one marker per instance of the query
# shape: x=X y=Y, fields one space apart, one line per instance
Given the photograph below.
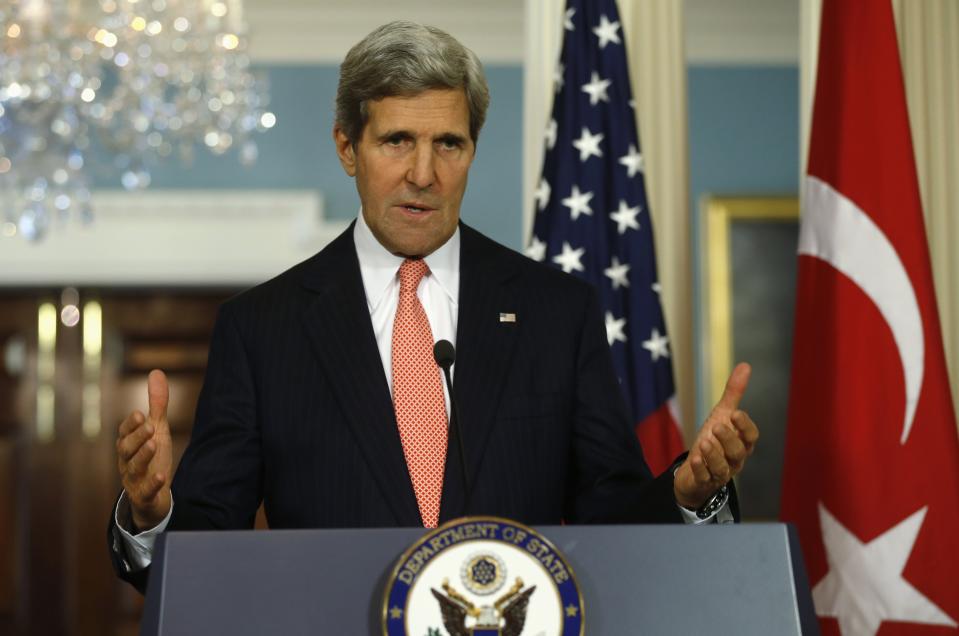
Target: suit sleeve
x=611 y=482
x=218 y=484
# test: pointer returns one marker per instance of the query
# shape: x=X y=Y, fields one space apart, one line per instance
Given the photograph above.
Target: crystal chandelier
x=132 y=80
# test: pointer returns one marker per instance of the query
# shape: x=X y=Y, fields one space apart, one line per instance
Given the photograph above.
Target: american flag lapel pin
x=505 y=317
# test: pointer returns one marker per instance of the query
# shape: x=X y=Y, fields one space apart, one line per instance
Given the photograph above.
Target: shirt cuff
x=139 y=547
x=723 y=515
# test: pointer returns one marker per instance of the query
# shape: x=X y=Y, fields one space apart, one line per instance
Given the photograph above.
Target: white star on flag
x=633 y=160
x=614 y=329
x=864 y=586
x=578 y=203
x=536 y=250
x=558 y=80
x=657 y=345
x=597 y=89
x=625 y=217
x=656 y=287
x=569 y=259
x=568 y=19
x=588 y=144
x=617 y=273
x=607 y=32
x=542 y=194
x=551 y=131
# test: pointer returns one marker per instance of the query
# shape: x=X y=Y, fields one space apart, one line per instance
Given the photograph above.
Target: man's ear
x=345 y=151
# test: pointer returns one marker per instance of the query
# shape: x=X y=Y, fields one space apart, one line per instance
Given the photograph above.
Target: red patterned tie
x=418 y=395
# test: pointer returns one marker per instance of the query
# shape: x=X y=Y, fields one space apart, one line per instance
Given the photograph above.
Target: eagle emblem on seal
x=505 y=617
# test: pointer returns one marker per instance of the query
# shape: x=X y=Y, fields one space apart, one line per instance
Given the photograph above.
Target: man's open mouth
x=415 y=207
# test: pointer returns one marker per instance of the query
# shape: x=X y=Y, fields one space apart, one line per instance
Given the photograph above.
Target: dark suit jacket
x=295 y=409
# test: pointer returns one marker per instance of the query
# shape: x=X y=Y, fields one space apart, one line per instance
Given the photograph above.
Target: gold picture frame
x=721 y=213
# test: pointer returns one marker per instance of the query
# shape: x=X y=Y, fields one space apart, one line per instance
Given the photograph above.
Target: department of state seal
x=482 y=576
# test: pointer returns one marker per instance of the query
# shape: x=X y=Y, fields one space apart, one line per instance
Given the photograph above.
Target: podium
x=648 y=580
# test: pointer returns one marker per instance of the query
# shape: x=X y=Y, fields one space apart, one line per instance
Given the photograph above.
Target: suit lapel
x=484 y=347
x=341 y=334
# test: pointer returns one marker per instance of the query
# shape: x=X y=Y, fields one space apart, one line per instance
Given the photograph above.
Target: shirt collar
x=378 y=266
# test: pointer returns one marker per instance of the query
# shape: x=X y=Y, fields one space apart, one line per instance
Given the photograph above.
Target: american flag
x=592 y=216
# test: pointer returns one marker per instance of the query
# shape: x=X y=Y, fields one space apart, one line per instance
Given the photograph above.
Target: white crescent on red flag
x=871 y=477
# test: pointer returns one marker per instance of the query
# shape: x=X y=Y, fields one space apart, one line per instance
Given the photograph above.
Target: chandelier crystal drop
x=140 y=79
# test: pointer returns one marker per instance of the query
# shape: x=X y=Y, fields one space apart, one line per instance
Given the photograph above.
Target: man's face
x=411 y=166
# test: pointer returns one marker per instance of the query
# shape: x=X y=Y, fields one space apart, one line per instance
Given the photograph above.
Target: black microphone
x=445 y=356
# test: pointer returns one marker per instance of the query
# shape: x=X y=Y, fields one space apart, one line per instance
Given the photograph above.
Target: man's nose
x=422 y=171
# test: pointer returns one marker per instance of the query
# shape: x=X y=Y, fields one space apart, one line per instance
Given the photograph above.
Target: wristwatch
x=713 y=504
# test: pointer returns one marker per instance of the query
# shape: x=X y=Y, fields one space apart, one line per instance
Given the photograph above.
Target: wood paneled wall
x=56 y=493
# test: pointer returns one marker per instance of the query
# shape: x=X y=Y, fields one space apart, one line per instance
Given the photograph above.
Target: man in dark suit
x=322 y=399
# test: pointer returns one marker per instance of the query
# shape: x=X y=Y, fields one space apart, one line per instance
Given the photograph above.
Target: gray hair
x=404 y=59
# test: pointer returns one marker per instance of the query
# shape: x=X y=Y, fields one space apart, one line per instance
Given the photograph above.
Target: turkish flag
x=871 y=476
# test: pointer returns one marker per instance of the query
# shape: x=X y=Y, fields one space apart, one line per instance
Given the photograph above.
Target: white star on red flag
x=865 y=584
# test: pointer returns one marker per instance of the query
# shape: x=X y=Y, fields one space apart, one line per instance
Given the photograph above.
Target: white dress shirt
x=438 y=293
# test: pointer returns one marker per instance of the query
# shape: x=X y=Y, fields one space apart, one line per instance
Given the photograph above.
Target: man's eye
x=395 y=141
x=449 y=144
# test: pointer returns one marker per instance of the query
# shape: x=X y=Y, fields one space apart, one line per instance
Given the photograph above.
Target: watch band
x=712 y=505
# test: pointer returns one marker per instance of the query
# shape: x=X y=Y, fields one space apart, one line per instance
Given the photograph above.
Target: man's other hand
x=724 y=442
x=145 y=457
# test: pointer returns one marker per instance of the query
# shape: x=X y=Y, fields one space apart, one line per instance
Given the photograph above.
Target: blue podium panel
x=742 y=579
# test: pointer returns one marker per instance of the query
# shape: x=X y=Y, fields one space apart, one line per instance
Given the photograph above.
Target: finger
x=140 y=461
x=152 y=486
x=158 y=392
x=733 y=448
x=748 y=431
x=129 y=445
x=147 y=488
x=131 y=421
x=700 y=472
x=735 y=387
x=715 y=460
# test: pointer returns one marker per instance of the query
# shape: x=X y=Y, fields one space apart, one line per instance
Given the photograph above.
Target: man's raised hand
x=145 y=456
x=724 y=442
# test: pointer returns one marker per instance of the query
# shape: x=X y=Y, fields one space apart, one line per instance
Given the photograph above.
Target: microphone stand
x=445 y=355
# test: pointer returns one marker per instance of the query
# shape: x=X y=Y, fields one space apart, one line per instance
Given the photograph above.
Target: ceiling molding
x=175 y=237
